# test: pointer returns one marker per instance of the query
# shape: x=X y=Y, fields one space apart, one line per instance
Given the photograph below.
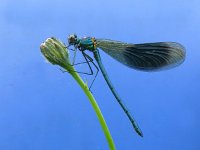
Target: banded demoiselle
x=145 y=57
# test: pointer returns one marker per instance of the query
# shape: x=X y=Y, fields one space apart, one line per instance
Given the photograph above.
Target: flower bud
x=56 y=53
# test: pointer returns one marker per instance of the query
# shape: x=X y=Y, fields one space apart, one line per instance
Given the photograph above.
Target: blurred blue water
x=44 y=109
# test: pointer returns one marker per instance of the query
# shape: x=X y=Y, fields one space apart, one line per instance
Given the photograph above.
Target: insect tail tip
x=139 y=132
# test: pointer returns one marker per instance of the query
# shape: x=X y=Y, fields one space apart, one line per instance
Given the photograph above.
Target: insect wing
x=147 y=56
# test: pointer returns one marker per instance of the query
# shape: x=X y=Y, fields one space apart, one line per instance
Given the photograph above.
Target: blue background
x=44 y=109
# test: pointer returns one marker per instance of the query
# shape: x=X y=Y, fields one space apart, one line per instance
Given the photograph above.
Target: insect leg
x=88 y=61
x=91 y=60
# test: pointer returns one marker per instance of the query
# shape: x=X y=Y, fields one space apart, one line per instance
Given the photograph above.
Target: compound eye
x=75 y=36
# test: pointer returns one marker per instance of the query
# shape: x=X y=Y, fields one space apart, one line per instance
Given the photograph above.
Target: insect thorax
x=87 y=43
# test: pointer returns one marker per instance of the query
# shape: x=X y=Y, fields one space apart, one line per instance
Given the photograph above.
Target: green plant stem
x=57 y=54
x=96 y=108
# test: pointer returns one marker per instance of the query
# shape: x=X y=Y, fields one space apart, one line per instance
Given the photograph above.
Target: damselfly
x=145 y=57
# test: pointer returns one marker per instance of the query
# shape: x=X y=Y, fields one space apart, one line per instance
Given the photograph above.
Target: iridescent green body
x=87 y=43
x=146 y=57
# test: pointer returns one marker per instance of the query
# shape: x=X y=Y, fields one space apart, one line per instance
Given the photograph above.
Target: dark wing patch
x=154 y=56
x=147 y=56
